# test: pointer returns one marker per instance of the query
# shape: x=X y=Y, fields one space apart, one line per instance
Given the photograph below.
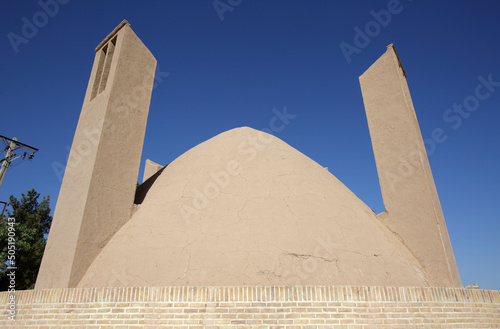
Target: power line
x=12 y=145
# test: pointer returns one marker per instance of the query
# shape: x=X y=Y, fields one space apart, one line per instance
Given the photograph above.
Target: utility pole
x=12 y=145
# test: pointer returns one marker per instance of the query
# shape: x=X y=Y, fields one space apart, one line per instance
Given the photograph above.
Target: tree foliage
x=32 y=224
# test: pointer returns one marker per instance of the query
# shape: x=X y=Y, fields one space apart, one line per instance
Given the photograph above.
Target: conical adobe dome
x=245 y=208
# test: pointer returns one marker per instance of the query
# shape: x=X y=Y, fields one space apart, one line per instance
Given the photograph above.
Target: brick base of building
x=253 y=307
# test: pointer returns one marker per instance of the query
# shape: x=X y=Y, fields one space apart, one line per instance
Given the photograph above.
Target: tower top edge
x=112 y=34
x=392 y=48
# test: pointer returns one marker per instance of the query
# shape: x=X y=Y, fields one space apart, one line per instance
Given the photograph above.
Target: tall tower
x=412 y=208
x=98 y=189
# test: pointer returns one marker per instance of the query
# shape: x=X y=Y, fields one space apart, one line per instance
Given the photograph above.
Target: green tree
x=32 y=224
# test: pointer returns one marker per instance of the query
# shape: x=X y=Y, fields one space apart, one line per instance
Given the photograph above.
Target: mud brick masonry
x=314 y=307
x=243 y=230
x=244 y=207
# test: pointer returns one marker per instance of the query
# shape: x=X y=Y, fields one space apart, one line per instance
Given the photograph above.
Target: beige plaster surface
x=413 y=211
x=244 y=207
x=150 y=168
x=98 y=189
x=277 y=217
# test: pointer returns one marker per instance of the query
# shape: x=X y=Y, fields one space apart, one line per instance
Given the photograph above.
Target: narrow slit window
x=103 y=67
x=98 y=75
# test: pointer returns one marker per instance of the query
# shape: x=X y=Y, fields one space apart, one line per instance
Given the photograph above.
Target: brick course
x=315 y=307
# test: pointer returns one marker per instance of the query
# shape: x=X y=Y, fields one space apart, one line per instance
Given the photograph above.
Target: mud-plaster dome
x=278 y=217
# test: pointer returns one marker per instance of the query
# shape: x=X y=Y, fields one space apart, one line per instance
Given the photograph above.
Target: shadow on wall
x=143 y=189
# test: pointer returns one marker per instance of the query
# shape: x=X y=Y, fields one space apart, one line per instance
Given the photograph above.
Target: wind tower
x=98 y=189
x=412 y=208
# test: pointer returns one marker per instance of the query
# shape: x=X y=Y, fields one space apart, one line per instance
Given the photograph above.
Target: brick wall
x=256 y=307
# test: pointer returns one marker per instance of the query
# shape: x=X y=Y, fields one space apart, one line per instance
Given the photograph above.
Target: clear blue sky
x=270 y=54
